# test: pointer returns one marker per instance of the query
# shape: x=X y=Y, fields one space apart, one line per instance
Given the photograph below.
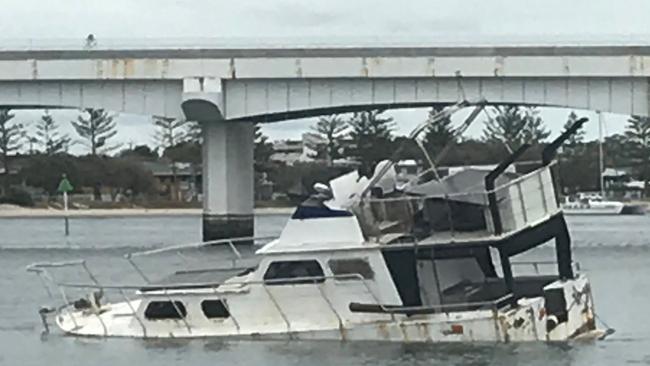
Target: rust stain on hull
x=423 y=329
x=404 y=330
x=382 y=331
x=504 y=328
x=343 y=332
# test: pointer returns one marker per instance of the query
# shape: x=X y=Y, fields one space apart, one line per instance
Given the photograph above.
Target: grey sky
x=252 y=18
x=341 y=21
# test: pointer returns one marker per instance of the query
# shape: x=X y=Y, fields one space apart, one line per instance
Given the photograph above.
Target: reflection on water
x=614 y=251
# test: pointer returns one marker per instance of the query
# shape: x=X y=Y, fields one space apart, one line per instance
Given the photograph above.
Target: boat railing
x=171 y=292
x=236 y=255
x=537 y=266
x=229 y=242
x=463 y=216
x=43 y=269
x=495 y=304
x=45 y=273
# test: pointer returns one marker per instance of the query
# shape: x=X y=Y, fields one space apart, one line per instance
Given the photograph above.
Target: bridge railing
x=384 y=41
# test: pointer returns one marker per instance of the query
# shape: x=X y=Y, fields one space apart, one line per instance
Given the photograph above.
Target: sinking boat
x=362 y=260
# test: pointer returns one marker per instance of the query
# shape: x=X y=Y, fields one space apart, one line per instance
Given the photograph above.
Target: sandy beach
x=12 y=211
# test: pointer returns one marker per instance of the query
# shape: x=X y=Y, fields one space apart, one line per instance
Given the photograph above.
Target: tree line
x=369 y=137
x=45 y=153
x=366 y=137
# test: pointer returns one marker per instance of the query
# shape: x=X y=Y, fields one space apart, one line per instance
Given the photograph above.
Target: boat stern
x=569 y=309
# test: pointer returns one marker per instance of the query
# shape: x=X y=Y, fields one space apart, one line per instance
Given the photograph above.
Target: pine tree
x=637 y=136
x=47 y=135
x=169 y=132
x=194 y=132
x=10 y=135
x=577 y=138
x=516 y=126
x=331 y=131
x=534 y=132
x=372 y=138
x=96 y=130
x=439 y=134
x=263 y=149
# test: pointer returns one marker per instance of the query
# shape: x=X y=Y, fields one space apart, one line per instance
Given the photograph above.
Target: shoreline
x=22 y=212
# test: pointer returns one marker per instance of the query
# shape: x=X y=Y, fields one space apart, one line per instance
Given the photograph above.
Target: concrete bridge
x=227 y=90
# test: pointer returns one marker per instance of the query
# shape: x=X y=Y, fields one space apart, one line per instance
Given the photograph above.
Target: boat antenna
x=480 y=106
x=456 y=133
x=445 y=113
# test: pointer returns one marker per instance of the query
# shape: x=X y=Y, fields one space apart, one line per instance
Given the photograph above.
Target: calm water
x=613 y=251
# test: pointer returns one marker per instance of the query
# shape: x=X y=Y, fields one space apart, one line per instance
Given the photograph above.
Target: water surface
x=613 y=251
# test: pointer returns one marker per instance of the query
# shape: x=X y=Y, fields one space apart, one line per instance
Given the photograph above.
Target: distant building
x=619 y=182
x=188 y=179
x=290 y=152
x=16 y=163
x=302 y=151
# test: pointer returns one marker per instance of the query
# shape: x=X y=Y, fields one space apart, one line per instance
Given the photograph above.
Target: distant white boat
x=585 y=204
x=594 y=203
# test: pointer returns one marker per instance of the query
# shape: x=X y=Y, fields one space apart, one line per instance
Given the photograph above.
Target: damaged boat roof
x=466 y=185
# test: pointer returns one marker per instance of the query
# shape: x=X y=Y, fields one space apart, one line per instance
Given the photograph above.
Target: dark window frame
x=285 y=272
x=211 y=313
x=166 y=310
x=340 y=267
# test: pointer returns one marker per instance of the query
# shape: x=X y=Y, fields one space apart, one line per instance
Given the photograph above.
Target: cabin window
x=292 y=270
x=214 y=309
x=159 y=310
x=403 y=269
x=341 y=267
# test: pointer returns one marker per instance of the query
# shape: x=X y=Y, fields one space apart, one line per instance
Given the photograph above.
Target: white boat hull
x=523 y=323
x=588 y=212
x=607 y=209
